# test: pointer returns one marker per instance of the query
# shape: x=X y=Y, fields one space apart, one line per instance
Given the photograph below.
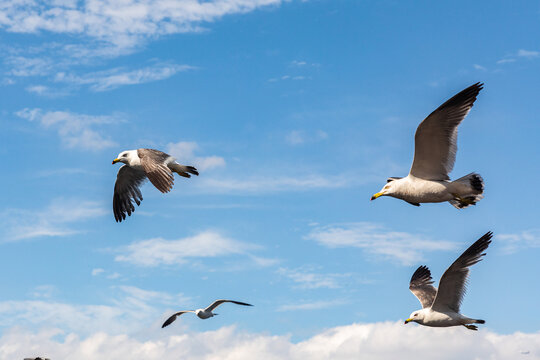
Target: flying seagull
x=202 y=313
x=435 y=146
x=141 y=164
x=440 y=308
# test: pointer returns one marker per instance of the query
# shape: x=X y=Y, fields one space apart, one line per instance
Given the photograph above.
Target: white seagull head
x=126 y=157
x=417 y=316
x=389 y=189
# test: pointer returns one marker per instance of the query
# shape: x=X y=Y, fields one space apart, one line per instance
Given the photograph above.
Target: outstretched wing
x=126 y=191
x=173 y=317
x=435 y=141
x=154 y=163
x=216 y=303
x=421 y=286
x=453 y=284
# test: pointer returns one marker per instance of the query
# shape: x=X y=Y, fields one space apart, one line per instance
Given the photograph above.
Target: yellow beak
x=115 y=161
x=408 y=321
x=376 y=195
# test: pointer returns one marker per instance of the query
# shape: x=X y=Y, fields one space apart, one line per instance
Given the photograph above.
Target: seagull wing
x=173 y=317
x=216 y=303
x=421 y=286
x=453 y=284
x=435 y=141
x=126 y=191
x=154 y=164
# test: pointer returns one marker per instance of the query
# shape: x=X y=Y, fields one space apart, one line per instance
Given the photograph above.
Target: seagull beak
x=115 y=161
x=408 y=321
x=376 y=196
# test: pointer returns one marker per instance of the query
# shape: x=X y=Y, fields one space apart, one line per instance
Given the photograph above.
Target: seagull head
x=124 y=157
x=417 y=316
x=387 y=189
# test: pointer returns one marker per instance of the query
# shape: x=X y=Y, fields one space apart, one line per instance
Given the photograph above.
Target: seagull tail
x=183 y=170
x=468 y=190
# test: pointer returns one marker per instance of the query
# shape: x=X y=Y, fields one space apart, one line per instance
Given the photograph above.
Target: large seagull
x=440 y=308
x=435 y=146
x=141 y=164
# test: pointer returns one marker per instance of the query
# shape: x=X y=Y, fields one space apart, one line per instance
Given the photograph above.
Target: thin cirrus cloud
x=402 y=247
x=114 y=78
x=307 y=278
x=75 y=130
x=57 y=219
x=206 y=244
x=527 y=239
x=520 y=54
x=376 y=341
x=184 y=151
x=315 y=305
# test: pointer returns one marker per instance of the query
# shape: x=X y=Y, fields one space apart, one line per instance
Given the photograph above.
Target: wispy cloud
x=316 y=305
x=120 y=23
x=520 y=54
x=207 y=244
x=402 y=247
x=524 y=240
x=306 y=278
x=114 y=78
x=299 y=137
x=127 y=308
x=75 y=130
x=55 y=220
x=184 y=151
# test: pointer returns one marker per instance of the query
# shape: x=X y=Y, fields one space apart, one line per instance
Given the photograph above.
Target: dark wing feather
x=127 y=192
x=421 y=286
x=154 y=164
x=435 y=141
x=173 y=317
x=216 y=303
x=453 y=284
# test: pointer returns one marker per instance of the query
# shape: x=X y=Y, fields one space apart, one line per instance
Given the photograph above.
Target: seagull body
x=202 y=313
x=434 y=156
x=441 y=308
x=139 y=165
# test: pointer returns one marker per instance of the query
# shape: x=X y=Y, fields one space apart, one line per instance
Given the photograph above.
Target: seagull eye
x=124 y=155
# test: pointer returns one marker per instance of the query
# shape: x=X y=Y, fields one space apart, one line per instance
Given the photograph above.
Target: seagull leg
x=471 y=327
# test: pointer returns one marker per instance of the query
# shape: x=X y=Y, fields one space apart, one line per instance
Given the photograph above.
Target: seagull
x=141 y=164
x=435 y=146
x=202 y=313
x=440 y=308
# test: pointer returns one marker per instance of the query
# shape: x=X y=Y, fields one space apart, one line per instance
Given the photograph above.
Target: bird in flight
x=203 y=313
x=139 y=165
x=440 y=308
x=435 y=146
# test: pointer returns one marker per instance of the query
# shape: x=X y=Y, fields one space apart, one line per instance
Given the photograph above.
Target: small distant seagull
x=38 y=358
x=203 y=313
x=141 y=164
x=440 y=308
x=435 y=146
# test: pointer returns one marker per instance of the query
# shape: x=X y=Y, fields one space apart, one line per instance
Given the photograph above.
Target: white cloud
x=524 y=240
x=404 y=247
x=306 y=278
x=479 y=67
x=129 y=308
x=75 y=130
x=55 y=220
x=276 y=183
x=158 y=251
x=114 y=78
x=184 y=151
x=376 y=341
x=122 y=23
x=528 y=53
x=316 y=305
x=97 y=271
x=299 y=137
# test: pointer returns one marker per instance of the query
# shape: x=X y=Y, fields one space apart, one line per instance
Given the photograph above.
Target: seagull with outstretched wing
x=142 y=164
x=203 y=313
x=441 y=308
x=435 y=147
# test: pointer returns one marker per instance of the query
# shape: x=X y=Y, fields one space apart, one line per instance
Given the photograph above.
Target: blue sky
x=295 y=113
